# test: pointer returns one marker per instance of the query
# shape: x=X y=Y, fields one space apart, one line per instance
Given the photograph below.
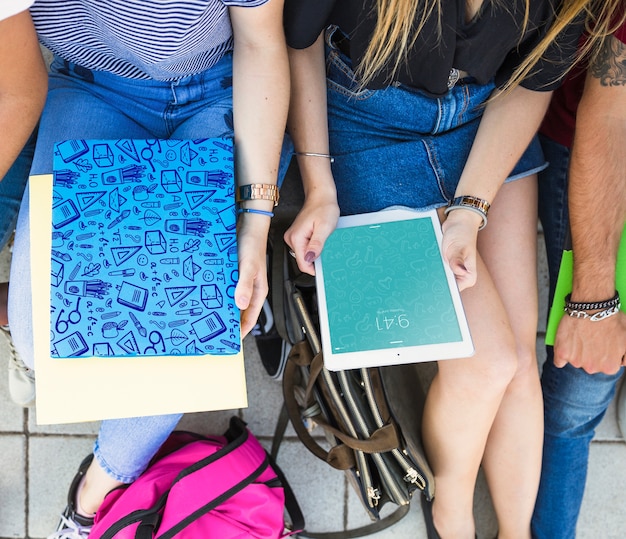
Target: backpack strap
x=216 y=502
x=291 y=503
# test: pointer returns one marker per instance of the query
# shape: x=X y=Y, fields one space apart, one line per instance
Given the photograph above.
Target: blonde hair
x=397 y=29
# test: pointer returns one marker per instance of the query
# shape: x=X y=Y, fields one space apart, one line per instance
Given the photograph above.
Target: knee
x=494 y=369
x=498 y=364
x=515 y=366
x=526 y=364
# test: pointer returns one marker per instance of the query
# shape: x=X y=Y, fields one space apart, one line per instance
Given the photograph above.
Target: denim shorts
x=399 y=146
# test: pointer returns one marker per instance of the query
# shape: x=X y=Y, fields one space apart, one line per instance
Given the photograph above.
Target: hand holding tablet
x=385 y=294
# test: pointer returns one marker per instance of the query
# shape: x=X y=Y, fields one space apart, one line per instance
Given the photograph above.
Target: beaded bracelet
x=474 y=204
x=593 y=305
x=252 y=210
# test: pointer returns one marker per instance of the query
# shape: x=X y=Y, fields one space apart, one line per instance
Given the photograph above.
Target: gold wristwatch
x=258 y=191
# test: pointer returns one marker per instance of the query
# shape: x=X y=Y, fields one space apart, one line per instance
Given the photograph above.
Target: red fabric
x=560 y=119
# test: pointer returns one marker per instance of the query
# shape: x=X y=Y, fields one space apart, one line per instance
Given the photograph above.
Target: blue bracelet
x=252 y=210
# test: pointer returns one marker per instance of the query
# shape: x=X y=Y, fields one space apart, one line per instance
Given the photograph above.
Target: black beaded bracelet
x=593 y=305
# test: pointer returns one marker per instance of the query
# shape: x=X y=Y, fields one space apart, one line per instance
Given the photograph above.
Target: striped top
x=139 y=39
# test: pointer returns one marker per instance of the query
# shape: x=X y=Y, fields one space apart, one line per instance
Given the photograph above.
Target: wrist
x=320 y=194
x=592 y=289
x=469 y=219
x=470 y=204
x=253 y=225
x=592 y=310
x=257 y=192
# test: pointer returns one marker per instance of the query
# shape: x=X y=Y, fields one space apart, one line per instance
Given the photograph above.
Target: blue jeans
x=84 y=104
x=575 y=402
x=399 y=146
x=12 y=189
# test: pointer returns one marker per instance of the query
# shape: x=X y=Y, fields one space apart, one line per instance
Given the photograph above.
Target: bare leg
x=462 y=403
x=96 y=485
x=512 y=460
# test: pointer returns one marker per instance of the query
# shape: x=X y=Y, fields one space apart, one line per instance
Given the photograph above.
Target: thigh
x=12 y=189
x=575 y=401
x=20 y=296
x=492 y=366
x=508 y=246
x=73 y=110
x=207 y=120
x=78 y=109
x=204 y=104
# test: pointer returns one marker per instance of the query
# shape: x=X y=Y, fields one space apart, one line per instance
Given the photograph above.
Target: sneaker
x=21 y=378
x=273 y=350
x=72 y=525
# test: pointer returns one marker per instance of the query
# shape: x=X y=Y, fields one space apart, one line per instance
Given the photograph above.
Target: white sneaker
x=620 y=406
x=21 y=378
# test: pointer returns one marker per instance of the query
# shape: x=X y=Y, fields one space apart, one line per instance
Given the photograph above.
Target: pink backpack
x=221 y=487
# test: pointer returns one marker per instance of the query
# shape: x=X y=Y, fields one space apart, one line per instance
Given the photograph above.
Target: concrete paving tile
x=78 y=429
x=265 y=395
x=486 y=523
x=602 y=513
x=543 y=282
x=412 y=525
x=5 y=264
x=53 y=461
x=319 y=489
x=12 y=486
x=207 y=422
x=11 y=416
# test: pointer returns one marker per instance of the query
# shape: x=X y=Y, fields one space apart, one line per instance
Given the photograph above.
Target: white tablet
x=385 y=294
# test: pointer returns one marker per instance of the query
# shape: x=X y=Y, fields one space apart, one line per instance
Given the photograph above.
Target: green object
x=564 y=287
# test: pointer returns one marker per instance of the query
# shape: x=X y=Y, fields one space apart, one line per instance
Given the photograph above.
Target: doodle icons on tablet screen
x=144 y=253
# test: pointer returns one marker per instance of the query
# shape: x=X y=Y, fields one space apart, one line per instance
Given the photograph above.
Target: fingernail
x=309 y=257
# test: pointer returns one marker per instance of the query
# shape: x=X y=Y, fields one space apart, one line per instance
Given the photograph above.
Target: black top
x=488 y=46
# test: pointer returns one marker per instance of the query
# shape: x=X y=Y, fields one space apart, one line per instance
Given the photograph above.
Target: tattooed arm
x=597 y=202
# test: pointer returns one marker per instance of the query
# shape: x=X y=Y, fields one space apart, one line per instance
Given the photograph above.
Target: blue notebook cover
x=144 y=251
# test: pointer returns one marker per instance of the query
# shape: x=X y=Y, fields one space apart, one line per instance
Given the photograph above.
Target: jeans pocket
x=340 y=75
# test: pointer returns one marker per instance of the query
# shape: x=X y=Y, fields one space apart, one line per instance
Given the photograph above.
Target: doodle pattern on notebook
x=144 y=251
